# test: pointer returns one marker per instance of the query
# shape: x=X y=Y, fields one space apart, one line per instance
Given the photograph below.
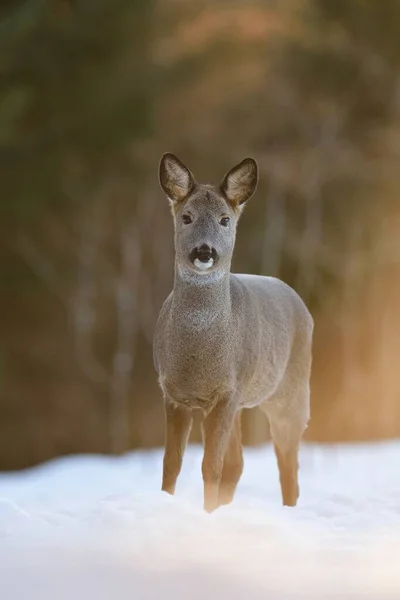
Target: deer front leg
x=178 y=422
x=216 y=431
x=233 y=463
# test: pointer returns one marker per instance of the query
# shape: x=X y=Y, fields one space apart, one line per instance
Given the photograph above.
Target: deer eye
x=224 y=221
x=187 y=219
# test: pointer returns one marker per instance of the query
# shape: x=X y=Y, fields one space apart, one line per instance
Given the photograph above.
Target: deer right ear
x=175 y=179
x=241 y=182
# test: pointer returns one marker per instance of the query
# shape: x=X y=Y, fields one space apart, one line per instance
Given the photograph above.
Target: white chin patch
x=202 y=266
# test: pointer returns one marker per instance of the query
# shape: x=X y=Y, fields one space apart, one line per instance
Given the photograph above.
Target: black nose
x=203 y=253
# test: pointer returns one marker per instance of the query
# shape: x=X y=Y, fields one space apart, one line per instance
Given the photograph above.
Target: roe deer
x=225 y=342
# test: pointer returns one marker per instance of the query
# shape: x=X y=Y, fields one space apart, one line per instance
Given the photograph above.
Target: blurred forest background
x=92 y=93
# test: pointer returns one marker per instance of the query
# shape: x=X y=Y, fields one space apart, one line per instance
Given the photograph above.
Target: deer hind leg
x=178 y=422
x=288 y=420
x=288 y=474
x=233 y=463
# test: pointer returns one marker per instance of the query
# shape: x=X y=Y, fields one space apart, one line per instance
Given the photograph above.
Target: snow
x=96 y=527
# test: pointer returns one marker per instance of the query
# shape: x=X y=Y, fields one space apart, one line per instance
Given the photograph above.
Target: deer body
x=225 y=342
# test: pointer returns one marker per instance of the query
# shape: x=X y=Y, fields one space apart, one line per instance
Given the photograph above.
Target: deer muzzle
x=203 y=257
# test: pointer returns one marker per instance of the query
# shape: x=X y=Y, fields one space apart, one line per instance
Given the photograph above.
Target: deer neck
x=201 y=298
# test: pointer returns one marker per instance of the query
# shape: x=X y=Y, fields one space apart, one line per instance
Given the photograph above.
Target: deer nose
x=203 y=253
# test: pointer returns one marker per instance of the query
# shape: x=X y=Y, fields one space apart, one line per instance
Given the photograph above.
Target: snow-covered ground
x=92 y=527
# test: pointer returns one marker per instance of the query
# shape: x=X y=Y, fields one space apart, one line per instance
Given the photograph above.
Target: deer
x=225 y=342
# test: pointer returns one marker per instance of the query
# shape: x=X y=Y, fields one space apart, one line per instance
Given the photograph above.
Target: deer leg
x=288 y=474
x=216 y=430
x=178 y=424
x=288 y=423
x=233 y=463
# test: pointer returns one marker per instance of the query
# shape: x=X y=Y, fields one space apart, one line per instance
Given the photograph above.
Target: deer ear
x=240 y=183
x=175 y=179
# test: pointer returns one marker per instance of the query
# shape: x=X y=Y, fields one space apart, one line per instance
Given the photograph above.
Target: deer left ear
x=240 y=183
x=175 y=178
